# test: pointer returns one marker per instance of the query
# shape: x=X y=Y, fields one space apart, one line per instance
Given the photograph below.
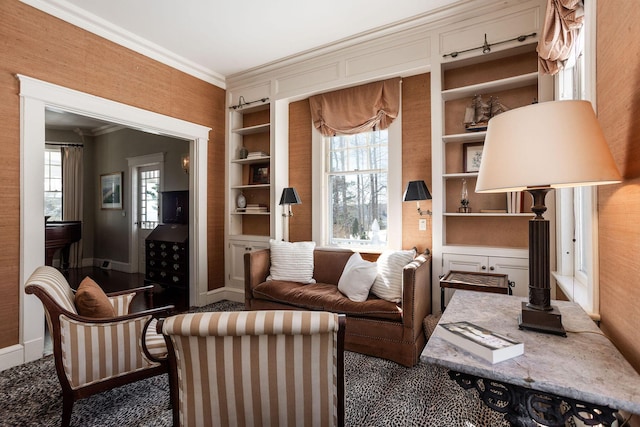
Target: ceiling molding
x=94 y=24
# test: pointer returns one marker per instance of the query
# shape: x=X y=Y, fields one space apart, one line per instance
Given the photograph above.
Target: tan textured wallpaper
x=40 y=46
x=618 y=98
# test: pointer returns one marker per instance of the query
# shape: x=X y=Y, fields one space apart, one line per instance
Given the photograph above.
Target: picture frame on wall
x=259 y=174
x=111 y=190
x=471 y=156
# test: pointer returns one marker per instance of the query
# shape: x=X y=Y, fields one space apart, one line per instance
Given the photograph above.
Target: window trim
x=394 y=179
x=579 y=288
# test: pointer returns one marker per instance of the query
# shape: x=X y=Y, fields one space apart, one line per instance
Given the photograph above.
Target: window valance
x=562 y=23
x=357 y=109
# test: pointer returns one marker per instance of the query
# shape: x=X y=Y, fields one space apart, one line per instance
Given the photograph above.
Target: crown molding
x=94 y=24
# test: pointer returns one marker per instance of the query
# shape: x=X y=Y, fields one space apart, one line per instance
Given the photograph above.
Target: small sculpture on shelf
x=464 y=198
x=243 y=153
x=478 y=113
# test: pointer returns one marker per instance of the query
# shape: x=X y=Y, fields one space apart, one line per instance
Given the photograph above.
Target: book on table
x=480 y=341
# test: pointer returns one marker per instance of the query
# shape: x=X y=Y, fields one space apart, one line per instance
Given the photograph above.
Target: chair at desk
x=273 y=368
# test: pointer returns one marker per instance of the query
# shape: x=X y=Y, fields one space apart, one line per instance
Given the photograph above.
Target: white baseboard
x=12 y=356
x=124 y=267
x=224 y=293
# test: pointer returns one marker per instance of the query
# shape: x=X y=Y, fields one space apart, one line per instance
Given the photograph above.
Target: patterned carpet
x=377 y=393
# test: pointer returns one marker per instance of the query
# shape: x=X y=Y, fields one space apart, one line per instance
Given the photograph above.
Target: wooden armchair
x=264 y=368
x=116 y=358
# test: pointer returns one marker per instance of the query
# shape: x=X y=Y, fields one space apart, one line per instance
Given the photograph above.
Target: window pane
x=149 y=191
x=358 y=209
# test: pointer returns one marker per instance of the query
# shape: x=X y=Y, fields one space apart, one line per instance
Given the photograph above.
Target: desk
x=581 y=368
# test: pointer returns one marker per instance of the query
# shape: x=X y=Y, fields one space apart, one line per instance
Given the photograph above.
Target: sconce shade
x=550 y=144
x=289 y=197
x=416 y=190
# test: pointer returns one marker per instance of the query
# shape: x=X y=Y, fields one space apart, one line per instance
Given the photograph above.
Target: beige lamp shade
x=550 y=144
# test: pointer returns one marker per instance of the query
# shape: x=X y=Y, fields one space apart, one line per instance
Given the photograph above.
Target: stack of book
x=254 y=208
x=515 y=202
x=482 y=342
x=257 y=154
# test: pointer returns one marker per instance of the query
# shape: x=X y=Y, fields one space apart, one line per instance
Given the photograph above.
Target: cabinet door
x=237 y=249
x=458 y=262
x=517 y=269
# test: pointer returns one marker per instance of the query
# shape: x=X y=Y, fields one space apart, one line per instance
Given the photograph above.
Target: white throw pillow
x=292 y=261
x=388 y=283
x=357 y=277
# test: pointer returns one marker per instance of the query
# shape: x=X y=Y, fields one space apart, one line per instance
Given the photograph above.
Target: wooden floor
x=111 y=281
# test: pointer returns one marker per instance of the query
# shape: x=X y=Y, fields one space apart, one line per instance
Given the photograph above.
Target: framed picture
x=471 y=156
x=111 y=190
x=259 y=174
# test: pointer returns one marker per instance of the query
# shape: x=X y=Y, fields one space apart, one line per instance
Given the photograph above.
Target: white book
x=482 y=342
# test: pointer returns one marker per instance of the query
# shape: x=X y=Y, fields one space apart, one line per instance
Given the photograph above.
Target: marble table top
x=584 y=366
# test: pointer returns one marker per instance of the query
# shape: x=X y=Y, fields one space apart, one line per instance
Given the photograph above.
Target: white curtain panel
x=72 y=196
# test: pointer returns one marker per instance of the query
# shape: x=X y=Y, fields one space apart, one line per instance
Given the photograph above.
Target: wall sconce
x=289 y=197
x=185 y=163
x=416 y=191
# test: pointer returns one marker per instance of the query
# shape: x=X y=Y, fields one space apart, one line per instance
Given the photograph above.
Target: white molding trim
x=35 y=96
x=94 y=24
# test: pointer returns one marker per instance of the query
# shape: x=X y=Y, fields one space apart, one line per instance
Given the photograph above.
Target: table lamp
x=536 y=148
x=416 y=191
x=289 y=197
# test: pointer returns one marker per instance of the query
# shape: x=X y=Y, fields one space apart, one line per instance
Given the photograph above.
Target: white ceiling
x=215 y=39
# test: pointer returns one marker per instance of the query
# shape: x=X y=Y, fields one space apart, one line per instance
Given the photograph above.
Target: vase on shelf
x=464 y=199
x=243 y=152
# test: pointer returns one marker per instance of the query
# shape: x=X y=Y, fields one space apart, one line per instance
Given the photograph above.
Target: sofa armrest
x=256 y=269
x=416 y=292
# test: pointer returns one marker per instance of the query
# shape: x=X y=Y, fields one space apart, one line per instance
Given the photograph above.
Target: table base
x=524 y=407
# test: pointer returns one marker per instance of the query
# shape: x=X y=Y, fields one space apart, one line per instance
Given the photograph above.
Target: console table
x=554 y=379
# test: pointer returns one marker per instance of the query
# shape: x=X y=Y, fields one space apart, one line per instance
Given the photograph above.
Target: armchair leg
x=67 y=408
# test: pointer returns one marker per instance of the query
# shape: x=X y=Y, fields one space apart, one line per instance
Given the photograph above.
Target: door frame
x=35 y=96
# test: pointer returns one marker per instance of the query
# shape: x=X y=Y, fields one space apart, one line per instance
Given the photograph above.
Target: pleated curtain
x=72 y=196
x=562 y=24
x=357 y=109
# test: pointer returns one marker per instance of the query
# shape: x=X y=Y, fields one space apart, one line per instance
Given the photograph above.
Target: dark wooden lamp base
x=548 y=321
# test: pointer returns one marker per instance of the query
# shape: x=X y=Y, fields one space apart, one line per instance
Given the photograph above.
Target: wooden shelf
x=253 y=129
x=252 y=160
x=491 y=86
x=250 y=187
x=465 y=137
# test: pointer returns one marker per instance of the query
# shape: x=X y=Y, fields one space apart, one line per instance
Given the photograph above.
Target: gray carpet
x=377 y=393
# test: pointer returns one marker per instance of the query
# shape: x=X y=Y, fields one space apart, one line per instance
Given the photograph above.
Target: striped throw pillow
x=388 y=283
x=292 y=261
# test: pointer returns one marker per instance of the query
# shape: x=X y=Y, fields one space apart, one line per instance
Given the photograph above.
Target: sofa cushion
x=388 y=283
x=291 y=261
x=326 y=297
x=357 y=277
x=91 y=301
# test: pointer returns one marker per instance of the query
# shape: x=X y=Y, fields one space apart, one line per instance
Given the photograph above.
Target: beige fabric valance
x=562 y=23
x=357 y=109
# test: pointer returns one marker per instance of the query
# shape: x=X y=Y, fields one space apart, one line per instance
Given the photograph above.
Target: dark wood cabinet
x=167 y=256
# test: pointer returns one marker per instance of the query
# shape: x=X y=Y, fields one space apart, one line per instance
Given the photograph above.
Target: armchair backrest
x=55 y=285
x=256 y=368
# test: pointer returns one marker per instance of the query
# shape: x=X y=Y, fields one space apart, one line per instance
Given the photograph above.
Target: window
x=577 y=272
x=357 y=183
x=359 y=178
x=149 y=194
x=53 y=184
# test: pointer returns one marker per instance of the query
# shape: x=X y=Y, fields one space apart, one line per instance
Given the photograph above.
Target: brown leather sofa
x=375 y=327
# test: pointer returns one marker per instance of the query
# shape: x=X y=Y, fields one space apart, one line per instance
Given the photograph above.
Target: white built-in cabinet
x=251 y=177
x=490 y=236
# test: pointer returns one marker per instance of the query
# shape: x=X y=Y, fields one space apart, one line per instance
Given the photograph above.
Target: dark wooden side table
x=474 y=281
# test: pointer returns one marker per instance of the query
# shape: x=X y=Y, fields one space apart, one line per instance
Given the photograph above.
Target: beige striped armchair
x=93 y=355
x=258 y=368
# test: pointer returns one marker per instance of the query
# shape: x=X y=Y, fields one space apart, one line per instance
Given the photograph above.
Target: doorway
x=37 y=95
